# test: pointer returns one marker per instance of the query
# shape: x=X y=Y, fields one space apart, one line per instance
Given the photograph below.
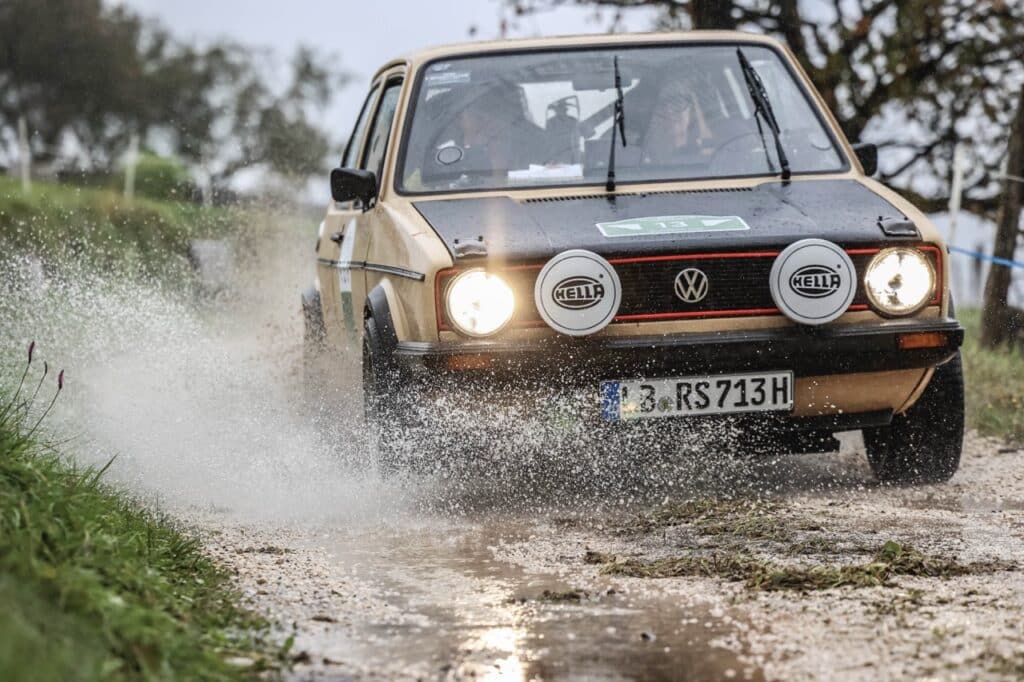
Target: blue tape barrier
x=990 y=259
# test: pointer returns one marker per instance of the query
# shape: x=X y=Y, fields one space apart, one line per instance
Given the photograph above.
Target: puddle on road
x=467 y=615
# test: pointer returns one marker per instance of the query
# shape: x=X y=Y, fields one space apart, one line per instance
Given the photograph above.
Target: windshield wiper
x=763 y=107
x=619 y=124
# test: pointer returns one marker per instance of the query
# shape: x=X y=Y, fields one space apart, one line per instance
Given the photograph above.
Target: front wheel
x=313 y=356
x=376 y=381
x=923 y=445
x=388 y=407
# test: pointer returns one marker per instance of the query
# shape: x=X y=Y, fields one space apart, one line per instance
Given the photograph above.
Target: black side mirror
x=867 y=154
x=348 y=184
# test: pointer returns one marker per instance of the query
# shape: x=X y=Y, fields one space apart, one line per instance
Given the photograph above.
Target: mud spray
x=195 y=396
x=200 y=400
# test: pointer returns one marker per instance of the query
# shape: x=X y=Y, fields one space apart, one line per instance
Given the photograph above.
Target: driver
x=496 y=133
x=486 y=133
x=678 y=130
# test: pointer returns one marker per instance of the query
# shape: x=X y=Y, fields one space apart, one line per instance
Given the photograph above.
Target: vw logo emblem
x=692 y=285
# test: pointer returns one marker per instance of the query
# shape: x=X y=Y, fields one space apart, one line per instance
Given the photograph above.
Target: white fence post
x=131 y=161
x=956 y=191
x=25 y=154
x=205 y=179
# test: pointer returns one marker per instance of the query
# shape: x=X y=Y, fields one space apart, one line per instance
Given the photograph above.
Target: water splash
x=203 y=403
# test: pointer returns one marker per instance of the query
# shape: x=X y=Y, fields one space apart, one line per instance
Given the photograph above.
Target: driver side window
x=380 y=131
x=348 y=160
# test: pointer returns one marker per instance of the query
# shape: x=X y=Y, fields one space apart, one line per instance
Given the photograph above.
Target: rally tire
x=924 y=444
x=313 y=346
x=384 y=403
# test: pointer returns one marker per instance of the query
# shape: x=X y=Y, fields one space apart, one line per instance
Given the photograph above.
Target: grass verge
x=94 y=587
x=100 y=227
x=994 y=381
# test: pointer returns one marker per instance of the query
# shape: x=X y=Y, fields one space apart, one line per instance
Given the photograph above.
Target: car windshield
x=545 y=118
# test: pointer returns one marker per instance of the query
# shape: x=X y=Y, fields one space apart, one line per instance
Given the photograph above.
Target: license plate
x=686 y=396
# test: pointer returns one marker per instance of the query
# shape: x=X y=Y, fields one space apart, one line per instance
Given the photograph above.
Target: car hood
x=771 y=215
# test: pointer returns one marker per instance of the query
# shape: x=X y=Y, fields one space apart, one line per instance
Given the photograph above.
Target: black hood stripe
x=843 y=211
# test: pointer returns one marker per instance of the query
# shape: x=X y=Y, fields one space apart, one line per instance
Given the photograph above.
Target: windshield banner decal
x=672 y=224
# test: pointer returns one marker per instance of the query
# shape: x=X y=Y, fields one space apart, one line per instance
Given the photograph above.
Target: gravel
x=421 y=595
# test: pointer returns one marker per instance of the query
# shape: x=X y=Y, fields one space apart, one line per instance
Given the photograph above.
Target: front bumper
x=807 y=351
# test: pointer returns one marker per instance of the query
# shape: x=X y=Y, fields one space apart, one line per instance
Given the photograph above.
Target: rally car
x=672 y=224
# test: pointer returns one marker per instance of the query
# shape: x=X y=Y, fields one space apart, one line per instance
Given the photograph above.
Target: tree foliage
x=86 y=76
x=914 y=76
x=69 y=68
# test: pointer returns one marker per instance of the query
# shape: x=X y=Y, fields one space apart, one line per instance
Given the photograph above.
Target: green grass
x=994 y=382
x=99 y=227
x=94 y=586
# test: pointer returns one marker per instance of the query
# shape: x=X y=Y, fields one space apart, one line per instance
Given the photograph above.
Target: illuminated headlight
x=479 y=303
x=899 y=281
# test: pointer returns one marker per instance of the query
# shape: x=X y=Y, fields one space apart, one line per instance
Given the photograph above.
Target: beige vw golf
x=672 y=226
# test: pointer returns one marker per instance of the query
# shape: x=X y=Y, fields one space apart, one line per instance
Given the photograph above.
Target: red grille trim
x=443 y=325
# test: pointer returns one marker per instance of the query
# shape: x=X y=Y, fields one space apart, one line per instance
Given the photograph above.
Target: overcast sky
x=364 y=33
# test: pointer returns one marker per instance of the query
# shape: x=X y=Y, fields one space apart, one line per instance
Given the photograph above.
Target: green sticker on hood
x=672 y=224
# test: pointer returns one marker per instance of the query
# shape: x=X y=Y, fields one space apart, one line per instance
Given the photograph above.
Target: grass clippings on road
x=94 y=586
x=727 y=540
x=890 y=561
x=738 y=519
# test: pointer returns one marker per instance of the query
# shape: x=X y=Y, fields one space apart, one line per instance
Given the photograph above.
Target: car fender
x=926 y=378
x=385 y=307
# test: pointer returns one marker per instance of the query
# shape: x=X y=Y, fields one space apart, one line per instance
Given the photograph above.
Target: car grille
x=738 y=286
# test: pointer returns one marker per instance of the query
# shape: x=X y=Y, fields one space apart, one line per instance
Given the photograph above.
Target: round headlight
x=899 y=281
x=479 y=303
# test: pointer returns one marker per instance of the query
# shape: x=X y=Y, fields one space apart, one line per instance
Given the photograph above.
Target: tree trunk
x=999 y=321
x=712 y=14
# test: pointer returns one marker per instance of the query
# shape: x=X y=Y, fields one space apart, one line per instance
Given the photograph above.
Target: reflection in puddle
x=501 y=643
x=466 y=615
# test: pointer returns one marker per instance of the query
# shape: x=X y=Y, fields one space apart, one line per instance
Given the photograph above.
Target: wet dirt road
x=463 y=612
x=437 y=603
x=514 y=595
